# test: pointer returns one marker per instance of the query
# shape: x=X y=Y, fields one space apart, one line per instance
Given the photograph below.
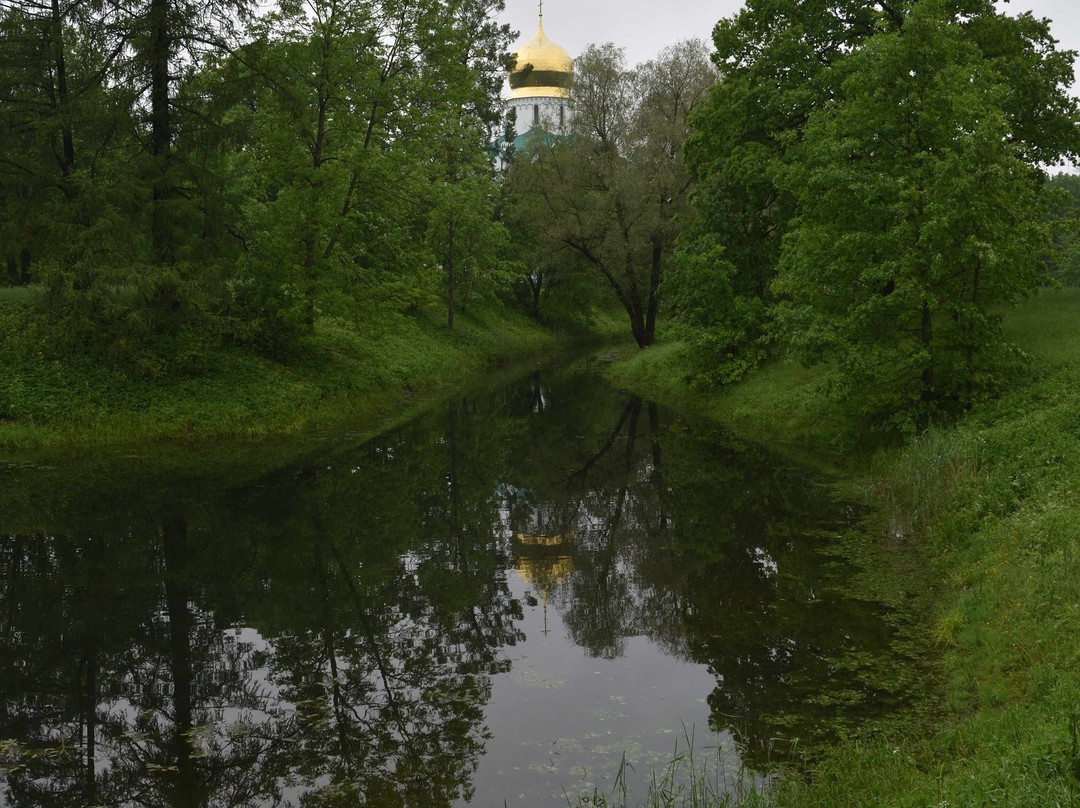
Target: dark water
x=501 y=600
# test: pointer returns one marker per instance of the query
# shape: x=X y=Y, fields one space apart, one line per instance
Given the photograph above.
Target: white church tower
x=540 y=85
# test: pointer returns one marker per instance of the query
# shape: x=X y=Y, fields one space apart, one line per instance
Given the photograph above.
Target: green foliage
x=59 y=391
x=169 y=168
x=776 y=60
x=873 y=171
x=725 y=331
x=917 y=217
x=612 y=195
x=556 y=287
x=1064 y=261
x=782 y=403
x=465 y=240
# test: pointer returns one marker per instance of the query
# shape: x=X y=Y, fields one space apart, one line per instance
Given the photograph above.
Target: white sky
x=644 y=28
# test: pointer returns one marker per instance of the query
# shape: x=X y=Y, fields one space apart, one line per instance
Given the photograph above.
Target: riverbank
x=52 y=396
x=991 y=504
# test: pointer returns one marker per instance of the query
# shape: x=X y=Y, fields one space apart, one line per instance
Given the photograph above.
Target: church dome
x=542 y=69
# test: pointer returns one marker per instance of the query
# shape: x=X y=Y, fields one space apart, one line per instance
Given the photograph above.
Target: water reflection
x=496 y=599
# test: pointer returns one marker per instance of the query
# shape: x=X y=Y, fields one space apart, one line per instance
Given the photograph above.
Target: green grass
x=697 y=776
x=56 y=394
x=782 y=404
x=992 y=504
x=18 y=298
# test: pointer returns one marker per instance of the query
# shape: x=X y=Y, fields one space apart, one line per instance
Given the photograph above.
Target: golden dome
x=542 y=69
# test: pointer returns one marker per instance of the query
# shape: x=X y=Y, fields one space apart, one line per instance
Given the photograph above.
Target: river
x=538 y=588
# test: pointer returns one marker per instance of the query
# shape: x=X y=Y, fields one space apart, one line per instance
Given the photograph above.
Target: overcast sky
x=644 y=28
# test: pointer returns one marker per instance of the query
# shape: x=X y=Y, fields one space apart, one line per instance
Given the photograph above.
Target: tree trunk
x=450 y=280
x=310 y=276
x=638 y=325
x=535 y=286
x=970 y=348
x=67 y=160
x=161 y=236
x=926 y=334
x=316 y=147
x=654 y=286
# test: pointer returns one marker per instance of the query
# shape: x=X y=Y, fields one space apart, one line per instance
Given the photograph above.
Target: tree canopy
x=612 y=193
x=870 y=179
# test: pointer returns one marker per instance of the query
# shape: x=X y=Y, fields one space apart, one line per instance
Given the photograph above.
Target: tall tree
x=364 y=106
x=62 y=104
x=171 y=40
x=776 y=60
x=920 y=212
x=614 y=192
x=787 y=65
x=781 y=61
x=460 y=114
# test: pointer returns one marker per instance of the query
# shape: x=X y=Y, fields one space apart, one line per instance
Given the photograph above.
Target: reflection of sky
x=560 y=721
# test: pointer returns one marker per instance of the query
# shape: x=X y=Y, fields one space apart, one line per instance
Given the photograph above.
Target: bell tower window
x=536 y=114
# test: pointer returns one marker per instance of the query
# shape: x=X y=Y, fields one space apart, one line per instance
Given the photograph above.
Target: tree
x=614 y=192
x=459 y=117
x=463 y=236
x=782 y=63
x=364 y=108
x=775 y=59
x=761 y=141
x=919 y=213
x=62 y=103
x=1064 y=262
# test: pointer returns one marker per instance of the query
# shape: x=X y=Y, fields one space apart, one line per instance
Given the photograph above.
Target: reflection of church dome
x=544 y=573
x=542 y=69
x=542 y=560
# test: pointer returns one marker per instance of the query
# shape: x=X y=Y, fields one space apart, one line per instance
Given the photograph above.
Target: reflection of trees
x=713 y=549
x=601 y=491
x=117 y=688
x=390 y=685
x=376 y=578
x=373 y=583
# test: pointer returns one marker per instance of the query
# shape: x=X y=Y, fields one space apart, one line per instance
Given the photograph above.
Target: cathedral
x=539 y=89
x=540 y=85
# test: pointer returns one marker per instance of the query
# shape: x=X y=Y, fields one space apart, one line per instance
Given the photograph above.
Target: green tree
x=614 y=192
x=919 y=212
x=1064 y=261
x=775 y=57
x=63 y=102
x=365 y=110
x=116 y=161
x=783 y=63
x=464 y=237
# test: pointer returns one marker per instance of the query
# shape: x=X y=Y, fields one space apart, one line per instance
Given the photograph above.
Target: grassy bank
x=53 y=395
x=780 y=404
x=992 y=504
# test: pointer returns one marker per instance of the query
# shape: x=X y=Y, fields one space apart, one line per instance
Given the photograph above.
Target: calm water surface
x=501 y=600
